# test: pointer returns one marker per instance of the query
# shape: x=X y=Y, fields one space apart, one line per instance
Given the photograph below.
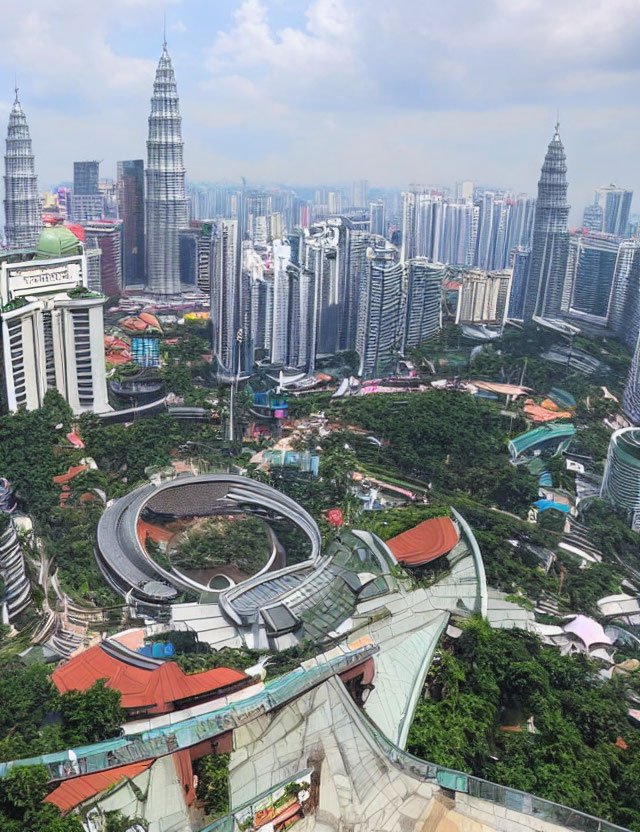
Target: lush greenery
x=21 y=806
x=212 y=771
x=241 y=541
x=451 y=441
x=490 y=678
x=36 y=719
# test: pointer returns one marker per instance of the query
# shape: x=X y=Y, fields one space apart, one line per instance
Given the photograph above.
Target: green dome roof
x=57 y=241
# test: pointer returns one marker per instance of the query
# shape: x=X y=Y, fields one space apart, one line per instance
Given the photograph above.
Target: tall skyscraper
x=381 y=315
x=23 y=218
x=590 y=271
x=377 y=223
x=131 y=212
x=167 y=207
x=360 y=193
x=550 y=243
x=87 y=201
x=424 y=300
x=615 y=203
x=624 y=308
x=621 y=482
x=520 y=266
x=225 y=301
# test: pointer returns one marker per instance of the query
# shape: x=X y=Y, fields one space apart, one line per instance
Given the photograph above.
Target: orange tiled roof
x=425 y=542
x=141 y=688
x=71 y=473
x=72 y=792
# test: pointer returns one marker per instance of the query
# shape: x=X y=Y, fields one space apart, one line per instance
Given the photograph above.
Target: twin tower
x=166 y=202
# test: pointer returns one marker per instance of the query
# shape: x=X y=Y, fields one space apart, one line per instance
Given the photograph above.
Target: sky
x=328 y=91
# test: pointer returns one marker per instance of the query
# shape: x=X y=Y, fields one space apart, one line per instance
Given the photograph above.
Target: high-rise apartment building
x=167 y=208
x=381 y=314
x=631 y=397
x=131 y=212
x=225 y=294
x=87 y=200
x=621 y=481
x=483 y=297
x=52 y=326
x=624 y=307
x=550 y=240
x=423 y=317
x=22 y=212
x=615 y=204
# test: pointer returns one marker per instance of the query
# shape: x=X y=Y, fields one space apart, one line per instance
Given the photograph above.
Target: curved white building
x=621 y=483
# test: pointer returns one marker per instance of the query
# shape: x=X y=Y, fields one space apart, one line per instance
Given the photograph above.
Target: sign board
x=32 y=279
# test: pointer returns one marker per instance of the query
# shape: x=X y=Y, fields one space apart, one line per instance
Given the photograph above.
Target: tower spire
x=15 y=87
x=164 y=29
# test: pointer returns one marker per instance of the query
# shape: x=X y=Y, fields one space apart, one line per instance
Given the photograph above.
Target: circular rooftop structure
x=132 y=532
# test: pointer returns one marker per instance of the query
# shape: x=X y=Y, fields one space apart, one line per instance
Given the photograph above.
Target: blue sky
x=326 y=91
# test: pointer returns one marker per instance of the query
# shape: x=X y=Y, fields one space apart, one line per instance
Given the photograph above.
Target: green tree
x=92 y=715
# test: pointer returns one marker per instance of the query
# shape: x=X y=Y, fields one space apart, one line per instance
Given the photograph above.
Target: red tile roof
x=75 y=791
x=425 y=542
x=73 y=471
x=142 y=689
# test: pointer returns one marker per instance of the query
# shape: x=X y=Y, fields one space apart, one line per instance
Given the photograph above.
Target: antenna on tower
x=15 y=85
x=558 y=120
x=164 y=29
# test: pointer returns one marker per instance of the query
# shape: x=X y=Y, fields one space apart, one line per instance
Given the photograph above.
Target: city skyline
x=253 y=74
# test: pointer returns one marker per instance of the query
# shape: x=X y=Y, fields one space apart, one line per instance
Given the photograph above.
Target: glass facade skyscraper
x=131 y=211
x=23 y=218
x=550 y=243
x=167 y=207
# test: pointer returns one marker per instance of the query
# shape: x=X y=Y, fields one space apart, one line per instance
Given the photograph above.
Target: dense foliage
x=212 y=772
x=36 y=719
x=21 y=806
x=453 y=441
x=492 y=678
x=241 y=541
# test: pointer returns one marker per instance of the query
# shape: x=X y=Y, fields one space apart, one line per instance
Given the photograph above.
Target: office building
x=382 y=312
x=519 y=268
x=550 y=238
x=592 y=219
x=377 y=223
x=131 y=212
x=615 y=204
x=22 y=213
x=87 y=201
x=167 y=208
x=360 y=194
x=195 y=245
x=107 y=236
x=621 y=482
x=591 y=269
x=423 y=304
x=52 y=326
